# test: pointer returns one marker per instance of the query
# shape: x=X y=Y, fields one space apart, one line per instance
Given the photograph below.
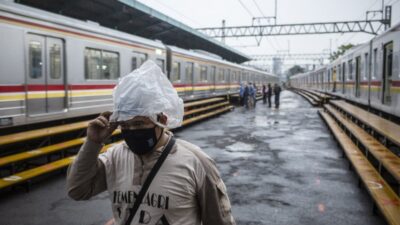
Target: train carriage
x=367 y=74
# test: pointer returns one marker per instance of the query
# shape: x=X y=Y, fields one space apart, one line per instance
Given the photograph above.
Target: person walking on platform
x=151 y=177
x=241 y=94
x=277 y=92
x=246 y=95
x=264 y=93
x=250 y=100
x=255 y=94
x=269 y=94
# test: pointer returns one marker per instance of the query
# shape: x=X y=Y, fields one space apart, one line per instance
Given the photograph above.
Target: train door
x=213 y=79
x=334 y=79
x=228 y=75
x=344 y=78
x=189 y=81
x=45 y=83
x=358 y=74
x=387 y=73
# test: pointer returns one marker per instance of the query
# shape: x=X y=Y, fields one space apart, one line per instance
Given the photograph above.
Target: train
x=367 y=74
x=55 y=67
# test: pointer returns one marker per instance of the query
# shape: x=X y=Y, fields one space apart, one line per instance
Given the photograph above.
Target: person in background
x=246 y=95
x=241 y=94
x=277 y=92
x=264 y=93
x=269 y=94
x=255 y=94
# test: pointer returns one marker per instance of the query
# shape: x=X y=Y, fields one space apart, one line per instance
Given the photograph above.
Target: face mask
x=140 y=141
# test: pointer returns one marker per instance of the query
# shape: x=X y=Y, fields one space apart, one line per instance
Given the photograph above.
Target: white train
x=54 y=67
x=368 y=74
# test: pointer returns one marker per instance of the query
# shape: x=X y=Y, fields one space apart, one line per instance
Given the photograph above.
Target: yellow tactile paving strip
x=37 y=171
x=44 y=150
x=190 y=112
x=382 y=126
x=29 y=135
x=312 y=102
x=202 y=102
x=385 y=198
x=388 y=159
x=203 y=116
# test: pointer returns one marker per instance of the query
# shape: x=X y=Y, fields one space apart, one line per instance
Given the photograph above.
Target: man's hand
x=100 y=129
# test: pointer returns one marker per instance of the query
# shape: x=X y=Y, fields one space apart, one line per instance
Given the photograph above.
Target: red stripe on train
x=41 y=87
x=53 y=87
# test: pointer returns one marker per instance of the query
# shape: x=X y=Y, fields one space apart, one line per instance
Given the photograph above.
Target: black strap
x=149 y=179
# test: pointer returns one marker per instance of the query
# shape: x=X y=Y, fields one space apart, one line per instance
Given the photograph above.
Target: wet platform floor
x=280 y=166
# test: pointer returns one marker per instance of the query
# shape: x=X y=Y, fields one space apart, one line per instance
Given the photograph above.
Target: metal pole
x=223 y=31
x=276 y=10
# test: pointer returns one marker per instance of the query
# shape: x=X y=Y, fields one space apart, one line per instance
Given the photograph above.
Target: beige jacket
x=186 y=190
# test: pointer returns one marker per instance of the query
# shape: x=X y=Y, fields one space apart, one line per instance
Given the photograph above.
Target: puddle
x=240 y=147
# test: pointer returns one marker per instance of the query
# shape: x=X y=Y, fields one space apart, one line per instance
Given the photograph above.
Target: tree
x=296 y=69
x=341 y=50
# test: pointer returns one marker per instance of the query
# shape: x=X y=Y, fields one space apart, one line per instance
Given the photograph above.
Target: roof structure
x=136 y=18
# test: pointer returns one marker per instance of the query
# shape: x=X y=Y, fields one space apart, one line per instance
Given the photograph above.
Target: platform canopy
x=136 y=18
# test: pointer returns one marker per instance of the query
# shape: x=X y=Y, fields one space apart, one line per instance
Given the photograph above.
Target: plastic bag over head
x=147 y=91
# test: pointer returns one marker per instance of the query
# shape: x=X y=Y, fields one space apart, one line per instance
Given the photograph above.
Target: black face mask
x=140 y=141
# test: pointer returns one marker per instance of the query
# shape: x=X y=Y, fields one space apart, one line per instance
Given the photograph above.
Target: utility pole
x=223 y=32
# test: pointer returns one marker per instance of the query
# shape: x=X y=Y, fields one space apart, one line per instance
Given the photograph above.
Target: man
x=255 y=94
x=277 y=92
x=269 y=94
x=264 y=93
x=187 y=189
x=241 y=94
x=246 y=95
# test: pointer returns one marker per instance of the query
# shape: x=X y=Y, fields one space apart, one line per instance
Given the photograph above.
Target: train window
x=227 y=76
x=138 y=59
x=35 y=60
x=176 y=72
x=203 y=73
x=160 y=63
x=101 y=64
x=388 y=59
x=350 y=69
x=189 y=73
x=339 y=72
x=134 y=63
x=375 y=64
x=55 y=61
x=234 y=77
x=220 y=75
x=110 y=65
x=366 y=66
x=212 y=74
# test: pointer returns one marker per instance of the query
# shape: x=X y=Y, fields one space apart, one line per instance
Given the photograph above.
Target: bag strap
x=149 y=179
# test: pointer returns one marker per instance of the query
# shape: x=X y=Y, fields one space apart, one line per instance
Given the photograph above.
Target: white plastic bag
x=147 y=91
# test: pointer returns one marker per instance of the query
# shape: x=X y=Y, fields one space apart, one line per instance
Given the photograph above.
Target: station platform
x=280 y=166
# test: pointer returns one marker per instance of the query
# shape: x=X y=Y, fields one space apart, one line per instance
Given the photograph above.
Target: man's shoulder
x=187 y=147
x=205 y=160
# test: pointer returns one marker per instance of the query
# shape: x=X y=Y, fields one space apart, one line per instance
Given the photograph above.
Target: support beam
x=295 y=56
x=369 y=26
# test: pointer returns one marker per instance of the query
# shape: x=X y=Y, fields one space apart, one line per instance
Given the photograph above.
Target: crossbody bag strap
x=149 y=179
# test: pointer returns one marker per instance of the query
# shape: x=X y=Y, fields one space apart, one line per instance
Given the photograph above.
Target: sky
x=210 y=13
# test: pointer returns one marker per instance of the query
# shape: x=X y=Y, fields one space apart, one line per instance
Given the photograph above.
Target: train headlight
x=158 y=51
